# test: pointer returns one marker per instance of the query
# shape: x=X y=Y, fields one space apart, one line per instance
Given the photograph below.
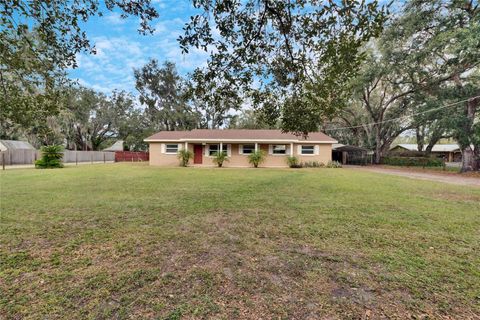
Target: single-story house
x=15 y=145
x=450 y=152
x=238 y=144
x=117 y=146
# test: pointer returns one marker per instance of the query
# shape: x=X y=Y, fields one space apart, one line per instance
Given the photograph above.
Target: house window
x=214 y=148
x=308 y=150
x=279 y=149
x=248 y=148
x=171 y=148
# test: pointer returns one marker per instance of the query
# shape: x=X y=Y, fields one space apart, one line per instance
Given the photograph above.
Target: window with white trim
x=308 y=150
x=171 y=148
x=214 y=148
x=248 y=148
x=279 y=149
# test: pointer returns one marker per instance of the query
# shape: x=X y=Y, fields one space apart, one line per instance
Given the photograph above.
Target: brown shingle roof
x=237 y=134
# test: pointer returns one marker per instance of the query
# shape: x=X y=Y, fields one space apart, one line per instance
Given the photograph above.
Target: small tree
x=219 y=158
x=184 y=155
x=256 y=158
x=51 y=157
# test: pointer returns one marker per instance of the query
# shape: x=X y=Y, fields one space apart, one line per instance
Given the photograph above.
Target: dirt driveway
x=432 y=176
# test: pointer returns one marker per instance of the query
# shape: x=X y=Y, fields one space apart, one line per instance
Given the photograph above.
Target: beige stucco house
x=238 y=144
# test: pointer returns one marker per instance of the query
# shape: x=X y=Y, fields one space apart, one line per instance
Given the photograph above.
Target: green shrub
x=219 y=158
x=413 y=161
x=51 y=157
x=293 y=162
x=334 y=164
x=312 y=164
x=256 y=157
x=184 y=155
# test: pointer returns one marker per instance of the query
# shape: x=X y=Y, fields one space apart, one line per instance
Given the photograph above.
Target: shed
x=15 y=145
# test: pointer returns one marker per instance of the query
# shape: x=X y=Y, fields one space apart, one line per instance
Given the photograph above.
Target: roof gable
x=15 y=145
x=436 y=148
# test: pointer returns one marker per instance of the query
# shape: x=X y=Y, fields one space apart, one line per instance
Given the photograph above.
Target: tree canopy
x=303 y=51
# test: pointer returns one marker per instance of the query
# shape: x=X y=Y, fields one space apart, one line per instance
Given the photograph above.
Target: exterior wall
x=324 y=154
x=157 y=158
x=236 y=159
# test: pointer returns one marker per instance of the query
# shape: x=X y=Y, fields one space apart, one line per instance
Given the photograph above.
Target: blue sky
x=120 y=48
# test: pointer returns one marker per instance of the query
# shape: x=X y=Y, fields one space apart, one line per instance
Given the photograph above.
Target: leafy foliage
x=256 y=157
x=51 y=157
x=413 y=68
x=219 y=158
x=300 y=52
x=294 y=162
x=413 y=161
x=213 y=98
x=312 y=164
x=39 y=40
x=184 y=155
x=333 y=164
x=163 y=93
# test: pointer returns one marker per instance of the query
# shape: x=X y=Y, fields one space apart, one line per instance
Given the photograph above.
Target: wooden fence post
x=3 y=160
x=91 y=157
x=104 y=157
x=76 y=158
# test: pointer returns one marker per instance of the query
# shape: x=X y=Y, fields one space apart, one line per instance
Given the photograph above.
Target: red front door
x=197 y=154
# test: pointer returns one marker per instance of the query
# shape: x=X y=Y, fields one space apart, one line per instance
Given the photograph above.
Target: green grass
x=133 y=241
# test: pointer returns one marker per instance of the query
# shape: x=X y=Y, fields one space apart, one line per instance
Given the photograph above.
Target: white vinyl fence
x=25 y=156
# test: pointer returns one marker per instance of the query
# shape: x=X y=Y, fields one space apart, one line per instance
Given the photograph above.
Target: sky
x=120 y=48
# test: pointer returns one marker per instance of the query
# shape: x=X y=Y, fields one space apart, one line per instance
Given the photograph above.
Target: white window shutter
x=206 y=149
x=163 y=148
x=270 y=149
x=240 y=149
x=229 y=150
x=180 y=146
x=299 y=149
x=317 y=149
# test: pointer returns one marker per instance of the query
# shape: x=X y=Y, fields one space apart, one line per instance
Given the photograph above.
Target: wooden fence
x=25 y=156
x=132 y=156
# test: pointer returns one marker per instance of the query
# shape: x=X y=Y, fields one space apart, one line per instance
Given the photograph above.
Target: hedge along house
x=238 y=144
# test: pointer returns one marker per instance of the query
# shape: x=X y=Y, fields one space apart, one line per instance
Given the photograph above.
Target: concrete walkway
x=451 y=178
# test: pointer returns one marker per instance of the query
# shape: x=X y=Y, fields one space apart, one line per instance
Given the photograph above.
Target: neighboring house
x=15 y=145
x=450 y=152
x=117 y=146
x=238 y=144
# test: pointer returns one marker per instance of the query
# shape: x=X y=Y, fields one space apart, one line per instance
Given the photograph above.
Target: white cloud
x=115 y=18
x=112 y=67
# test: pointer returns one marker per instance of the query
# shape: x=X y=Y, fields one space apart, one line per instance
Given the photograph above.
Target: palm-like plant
x=293 y=162
x=184 y=155
x=51 y=157
x=219 y=158
x=256 y=157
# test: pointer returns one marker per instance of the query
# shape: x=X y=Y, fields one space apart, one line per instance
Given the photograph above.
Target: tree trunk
x=378 y=145
x=470 y=156
x=420 y=133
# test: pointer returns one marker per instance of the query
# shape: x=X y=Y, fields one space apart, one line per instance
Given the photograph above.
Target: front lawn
x=133 y=241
